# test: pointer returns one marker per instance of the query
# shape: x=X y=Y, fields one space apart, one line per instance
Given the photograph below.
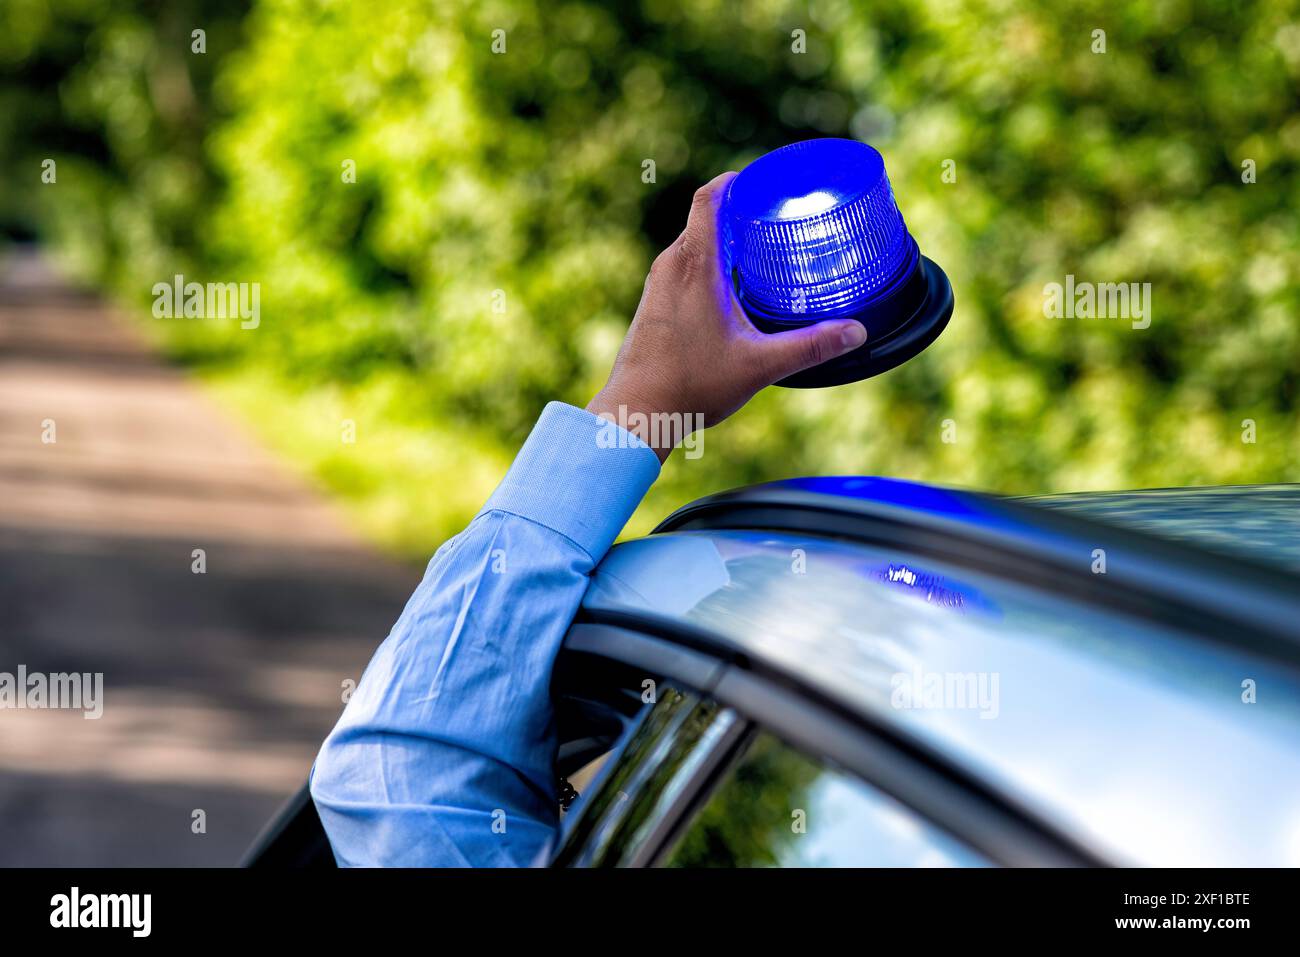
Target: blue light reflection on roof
x=932 y=588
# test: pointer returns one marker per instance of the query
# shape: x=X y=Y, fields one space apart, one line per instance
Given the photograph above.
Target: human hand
x=691 y=354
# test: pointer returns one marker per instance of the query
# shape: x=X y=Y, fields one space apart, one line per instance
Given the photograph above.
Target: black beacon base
x=898 y=327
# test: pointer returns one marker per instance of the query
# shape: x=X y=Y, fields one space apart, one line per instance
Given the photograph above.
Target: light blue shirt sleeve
x=444 y=755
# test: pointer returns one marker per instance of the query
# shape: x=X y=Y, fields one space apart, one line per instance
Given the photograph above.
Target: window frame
x=920 y=780
x=581 y=840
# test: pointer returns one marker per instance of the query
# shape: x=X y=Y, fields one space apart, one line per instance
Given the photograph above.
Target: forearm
x=444 y=755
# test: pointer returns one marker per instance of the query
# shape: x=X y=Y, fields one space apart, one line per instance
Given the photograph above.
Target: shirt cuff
x=579 y=475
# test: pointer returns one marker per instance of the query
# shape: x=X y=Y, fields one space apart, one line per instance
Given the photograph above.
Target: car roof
x=1043 y=538
x=844 y=585
x=1256 y=522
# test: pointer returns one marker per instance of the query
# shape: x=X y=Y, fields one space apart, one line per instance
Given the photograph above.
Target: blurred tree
x=114 y=95
x=451 y=209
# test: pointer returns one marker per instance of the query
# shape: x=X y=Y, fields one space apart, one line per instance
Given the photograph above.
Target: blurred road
x=218 y=687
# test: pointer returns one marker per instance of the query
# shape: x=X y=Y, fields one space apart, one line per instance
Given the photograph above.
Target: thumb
x=785 y=353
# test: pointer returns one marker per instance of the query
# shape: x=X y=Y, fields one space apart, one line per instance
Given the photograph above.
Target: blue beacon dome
x=812 y=232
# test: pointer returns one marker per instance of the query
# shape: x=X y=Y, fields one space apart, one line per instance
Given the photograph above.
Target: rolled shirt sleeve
x=444 y=755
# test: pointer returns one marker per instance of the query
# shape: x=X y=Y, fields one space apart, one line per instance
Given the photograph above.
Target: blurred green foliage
x=747 y=820
x=514 y=179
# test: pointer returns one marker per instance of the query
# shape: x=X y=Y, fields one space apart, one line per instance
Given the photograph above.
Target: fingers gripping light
x=812 y=232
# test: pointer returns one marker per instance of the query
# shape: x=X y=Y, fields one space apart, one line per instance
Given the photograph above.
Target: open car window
x=647 y=786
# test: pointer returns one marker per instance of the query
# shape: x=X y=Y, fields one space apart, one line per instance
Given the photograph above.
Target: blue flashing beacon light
x=812 y=232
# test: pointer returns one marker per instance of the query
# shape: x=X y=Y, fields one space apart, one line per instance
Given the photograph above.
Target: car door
x=728 y=768
x=698 y=785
